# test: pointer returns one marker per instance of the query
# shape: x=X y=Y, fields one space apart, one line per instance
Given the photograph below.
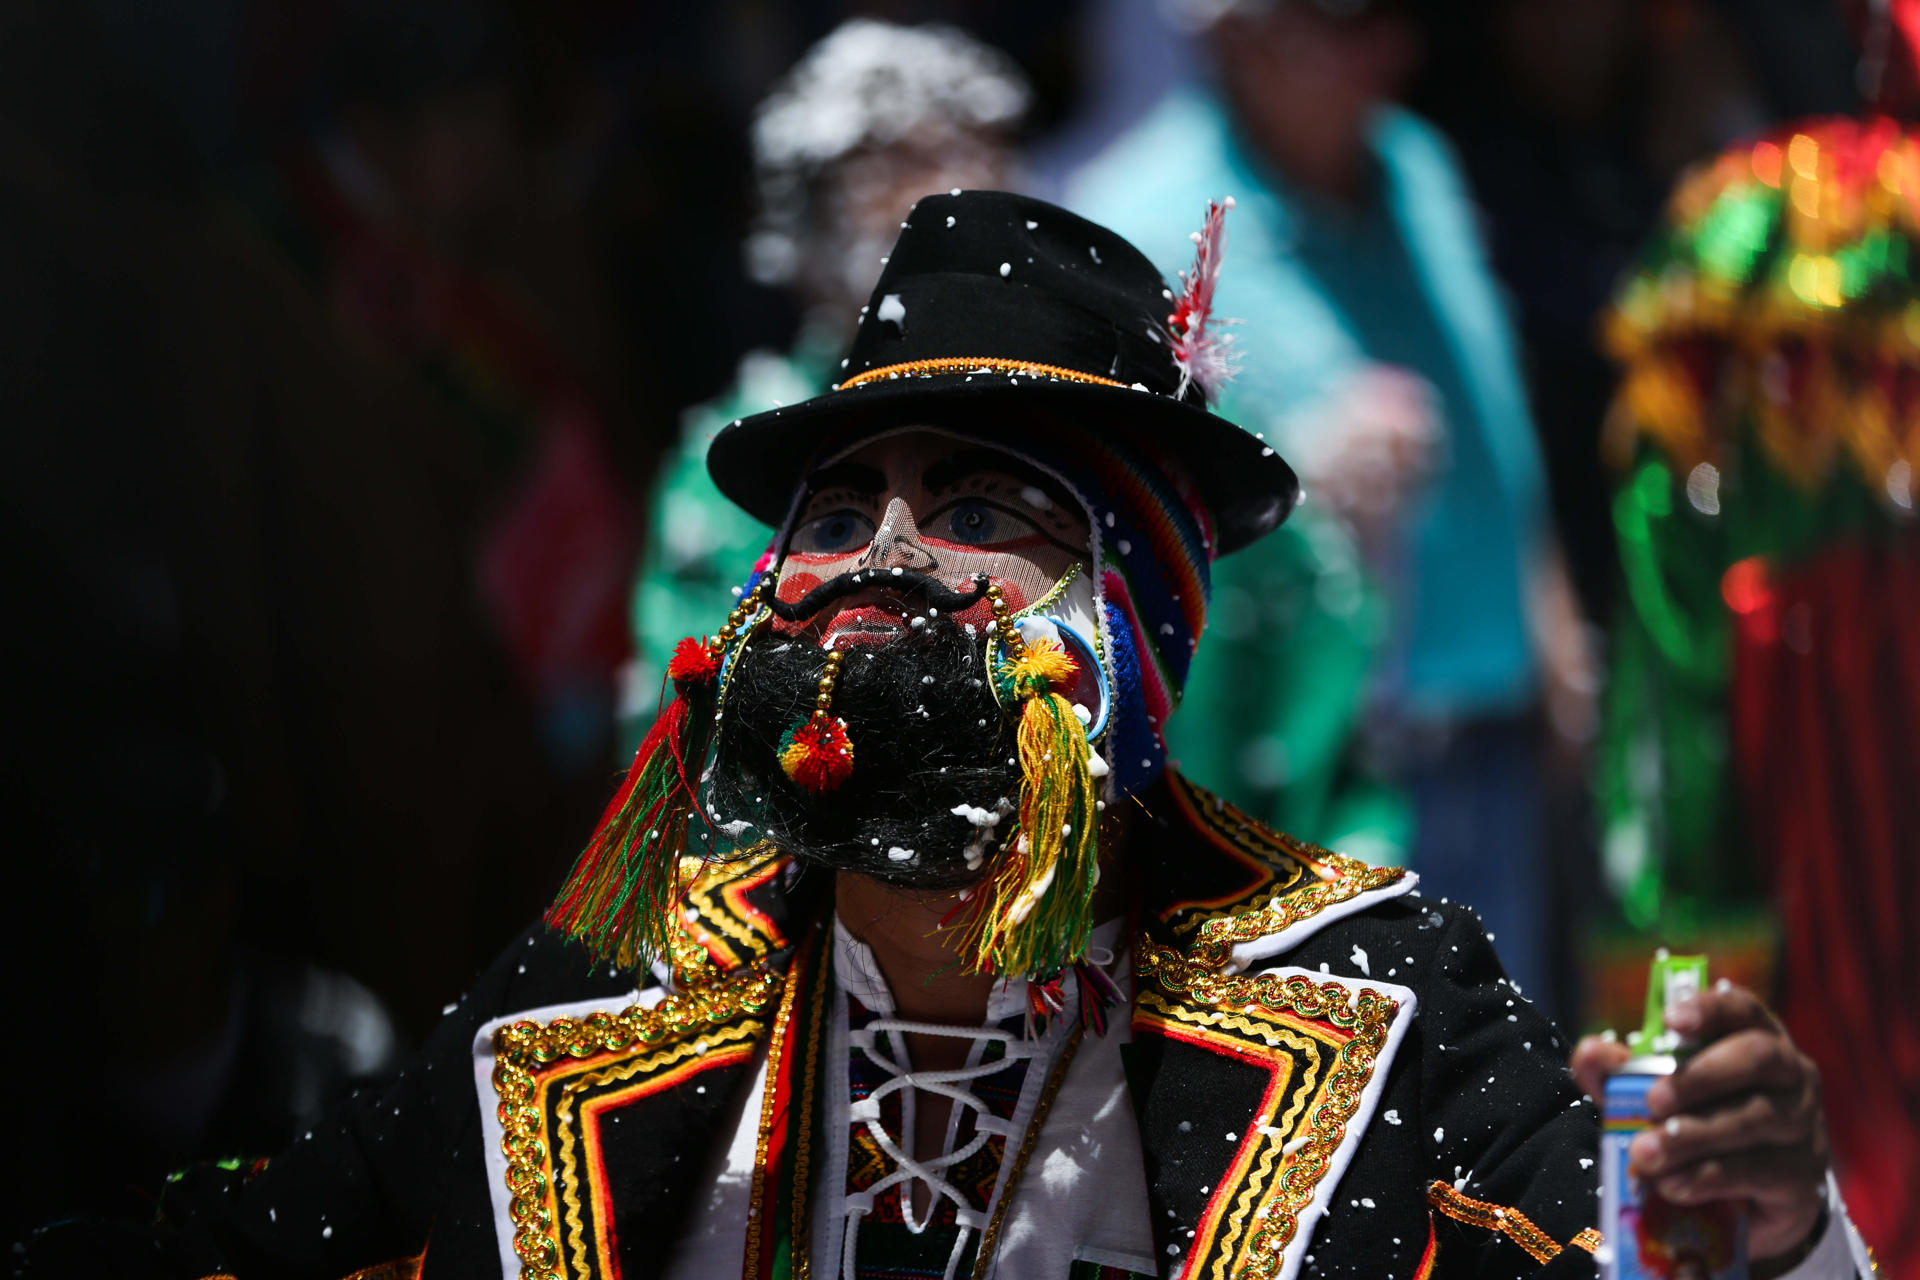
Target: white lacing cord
x=948 y=1084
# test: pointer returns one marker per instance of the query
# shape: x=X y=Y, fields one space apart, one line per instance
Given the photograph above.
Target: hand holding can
x=1738 y=1121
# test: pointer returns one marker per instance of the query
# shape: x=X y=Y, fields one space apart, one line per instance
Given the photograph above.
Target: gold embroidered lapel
x=1262 y=881
x=560 y=1082
x=1320 y=1042
x=554 y=1080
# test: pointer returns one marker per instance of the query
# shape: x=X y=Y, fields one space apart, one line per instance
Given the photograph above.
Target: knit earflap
x=1030 y=915
x=618 y=902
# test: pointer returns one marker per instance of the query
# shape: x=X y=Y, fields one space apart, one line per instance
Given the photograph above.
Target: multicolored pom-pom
x=694 y=662
x=817 y=753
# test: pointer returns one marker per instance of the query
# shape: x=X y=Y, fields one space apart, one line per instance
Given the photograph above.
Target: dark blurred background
x=342 y=341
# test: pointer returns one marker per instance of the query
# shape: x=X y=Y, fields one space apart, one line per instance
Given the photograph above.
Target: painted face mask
x=934 y=684
x=972 y=630
x=916 y=521
x=914 y=740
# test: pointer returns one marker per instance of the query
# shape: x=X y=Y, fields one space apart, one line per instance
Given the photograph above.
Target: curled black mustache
x=906 y=583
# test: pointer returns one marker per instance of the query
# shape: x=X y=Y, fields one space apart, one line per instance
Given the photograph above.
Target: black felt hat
x=996 y=313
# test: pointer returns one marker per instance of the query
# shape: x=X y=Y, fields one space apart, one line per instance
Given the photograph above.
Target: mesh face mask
x=955 y=511
x=1085 y=610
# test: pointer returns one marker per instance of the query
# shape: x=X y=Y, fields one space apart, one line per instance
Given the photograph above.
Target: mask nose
x=896 y=543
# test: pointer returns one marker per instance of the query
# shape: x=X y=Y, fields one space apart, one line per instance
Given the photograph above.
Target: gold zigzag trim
x=1366 y=1014
x=709 y=894
x=1339 y=876
x=974 y=364
x=522 y=1048
x=1516 y=1226
x=702 y=1048
x=1247 y=1205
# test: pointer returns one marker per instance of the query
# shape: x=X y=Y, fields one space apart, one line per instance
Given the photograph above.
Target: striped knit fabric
x=1153 y=547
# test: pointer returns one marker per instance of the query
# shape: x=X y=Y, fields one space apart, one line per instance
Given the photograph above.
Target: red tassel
x=618 y=901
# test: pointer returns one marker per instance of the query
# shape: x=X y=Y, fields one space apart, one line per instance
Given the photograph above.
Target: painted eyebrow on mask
x=955 y=467
x=857 y=476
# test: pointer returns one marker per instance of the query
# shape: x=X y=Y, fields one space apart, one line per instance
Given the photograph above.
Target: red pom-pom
x=693 y=663
x=817 y=754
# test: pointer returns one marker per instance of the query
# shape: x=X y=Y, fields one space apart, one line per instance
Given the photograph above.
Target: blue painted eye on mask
x=833 y=533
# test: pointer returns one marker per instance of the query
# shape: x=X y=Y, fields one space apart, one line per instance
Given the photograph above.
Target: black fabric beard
x=927 y=737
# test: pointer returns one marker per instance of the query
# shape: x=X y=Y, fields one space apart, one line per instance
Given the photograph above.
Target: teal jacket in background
x=1320 y=292
x=1274 y=697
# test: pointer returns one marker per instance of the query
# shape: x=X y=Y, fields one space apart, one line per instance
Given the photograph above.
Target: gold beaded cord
x=942 y=365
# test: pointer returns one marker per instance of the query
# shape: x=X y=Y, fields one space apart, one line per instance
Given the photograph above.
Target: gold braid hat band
x=974 y=364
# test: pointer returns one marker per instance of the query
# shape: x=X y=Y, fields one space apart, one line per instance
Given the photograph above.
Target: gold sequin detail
x=974 y=364
x=1516 y=1226
x=1289 y=909
x=1365 y=1015
x=803 y=1148
x=522 y=1048
x=1287 y=862
x=1589 y=1239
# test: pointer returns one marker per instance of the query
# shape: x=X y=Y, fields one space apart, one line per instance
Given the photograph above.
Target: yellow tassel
x=1031 y=916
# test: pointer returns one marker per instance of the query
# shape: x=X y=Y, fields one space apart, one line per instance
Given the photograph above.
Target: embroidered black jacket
x=1398 y=1108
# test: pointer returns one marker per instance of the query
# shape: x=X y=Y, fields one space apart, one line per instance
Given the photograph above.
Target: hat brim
x=1248 y=489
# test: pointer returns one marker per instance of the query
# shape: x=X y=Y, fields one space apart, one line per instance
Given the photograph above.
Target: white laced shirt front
x=1082 y=1195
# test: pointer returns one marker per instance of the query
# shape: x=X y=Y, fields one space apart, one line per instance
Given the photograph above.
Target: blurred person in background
x=1385 y=365
x=1759 y=749
x=868 y=120
x=1572 y=119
